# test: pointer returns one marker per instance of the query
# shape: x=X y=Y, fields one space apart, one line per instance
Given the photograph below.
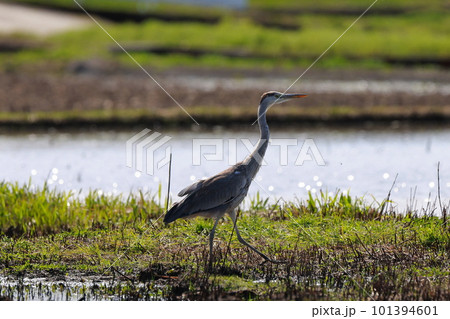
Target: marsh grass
x=30 y=211
x=335 y=247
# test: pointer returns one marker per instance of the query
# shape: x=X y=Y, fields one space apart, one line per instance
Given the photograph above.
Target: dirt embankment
x=216 y=96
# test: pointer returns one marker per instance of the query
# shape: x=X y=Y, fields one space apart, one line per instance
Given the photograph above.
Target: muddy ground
x=337 y=94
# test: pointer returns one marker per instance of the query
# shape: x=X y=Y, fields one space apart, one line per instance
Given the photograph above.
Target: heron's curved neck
x=260 y=150
x=263 y=130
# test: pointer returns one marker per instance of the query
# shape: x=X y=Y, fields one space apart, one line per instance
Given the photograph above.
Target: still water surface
x=363 y=162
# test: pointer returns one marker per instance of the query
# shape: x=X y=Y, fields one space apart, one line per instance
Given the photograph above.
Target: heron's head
x=274 y=97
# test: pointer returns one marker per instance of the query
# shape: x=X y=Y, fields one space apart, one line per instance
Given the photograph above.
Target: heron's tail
x=172 y=214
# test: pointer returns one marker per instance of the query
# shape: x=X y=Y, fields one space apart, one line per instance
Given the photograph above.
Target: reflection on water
x=91 y=288
x=364 y=162
x=232 y=4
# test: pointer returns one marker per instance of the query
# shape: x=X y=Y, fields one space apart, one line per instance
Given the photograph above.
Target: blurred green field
x=418 y=36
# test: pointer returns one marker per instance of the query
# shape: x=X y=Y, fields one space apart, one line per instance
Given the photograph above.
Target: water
x=91 y=288
x=231 y=4
x=363 y=162
x=419 y=88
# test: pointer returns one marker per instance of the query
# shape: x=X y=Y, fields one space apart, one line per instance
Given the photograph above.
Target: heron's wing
x=187 y=190
x=213 y=193
x=219 y=190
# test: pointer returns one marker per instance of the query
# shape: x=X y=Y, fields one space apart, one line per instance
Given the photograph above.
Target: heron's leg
x=242 y=241
x=211 y=240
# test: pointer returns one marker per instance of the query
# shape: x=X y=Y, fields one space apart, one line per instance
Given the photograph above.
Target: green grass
x=242 y=114
x=335 y=247
x=30 y=212
x=375 y=39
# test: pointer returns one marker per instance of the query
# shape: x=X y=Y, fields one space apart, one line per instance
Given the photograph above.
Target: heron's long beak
x=292 y=96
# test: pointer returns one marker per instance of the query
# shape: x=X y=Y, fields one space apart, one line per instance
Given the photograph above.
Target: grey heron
x=222 y=193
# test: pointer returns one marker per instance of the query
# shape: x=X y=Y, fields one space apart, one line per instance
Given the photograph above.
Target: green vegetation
x=286 y=39
x=235 y=115
x=335 y=247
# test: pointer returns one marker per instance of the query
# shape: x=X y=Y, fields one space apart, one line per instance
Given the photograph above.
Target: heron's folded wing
x=191 y=188
x=214 y=192
x=218 y=190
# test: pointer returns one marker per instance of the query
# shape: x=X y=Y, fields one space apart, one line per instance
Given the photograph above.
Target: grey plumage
x=222 y=193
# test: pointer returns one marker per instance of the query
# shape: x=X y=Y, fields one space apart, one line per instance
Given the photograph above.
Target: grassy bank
x=416 y=37
x=231 y=116
x=334 y=247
